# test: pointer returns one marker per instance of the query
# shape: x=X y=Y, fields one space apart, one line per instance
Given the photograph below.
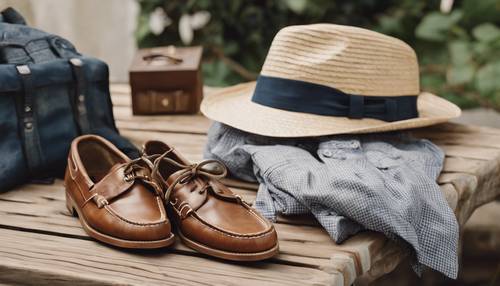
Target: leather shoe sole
x=234 y=256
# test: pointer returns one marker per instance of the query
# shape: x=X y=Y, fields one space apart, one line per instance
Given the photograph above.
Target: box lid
x=167 y=58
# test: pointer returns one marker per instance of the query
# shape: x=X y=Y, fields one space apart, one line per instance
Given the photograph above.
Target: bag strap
x=28 y=123
x=11 y=16
x=77 y=98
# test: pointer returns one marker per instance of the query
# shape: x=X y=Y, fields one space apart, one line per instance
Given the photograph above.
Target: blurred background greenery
x=457 y=42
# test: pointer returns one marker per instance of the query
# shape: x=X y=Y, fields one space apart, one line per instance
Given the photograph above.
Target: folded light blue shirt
x=380 y=182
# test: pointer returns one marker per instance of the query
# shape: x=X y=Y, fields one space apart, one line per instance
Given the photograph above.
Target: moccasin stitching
x=265 y=222
x=113 y=213
x=110 y=211
x=250 y=211
x=160 y=206
x=232 y=234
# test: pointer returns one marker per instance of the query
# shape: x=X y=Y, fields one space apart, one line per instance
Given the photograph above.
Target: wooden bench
x=41 y=244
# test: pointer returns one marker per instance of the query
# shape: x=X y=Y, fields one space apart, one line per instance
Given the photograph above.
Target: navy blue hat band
x=300 y=96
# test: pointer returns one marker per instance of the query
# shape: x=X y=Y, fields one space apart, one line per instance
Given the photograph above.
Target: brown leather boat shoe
x=113 y=196
x=208 y=216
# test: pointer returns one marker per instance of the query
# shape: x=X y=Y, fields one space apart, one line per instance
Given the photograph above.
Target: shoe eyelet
x=174 y=202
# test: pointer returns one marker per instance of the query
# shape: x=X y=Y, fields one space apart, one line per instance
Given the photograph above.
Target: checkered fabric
x=380 y=182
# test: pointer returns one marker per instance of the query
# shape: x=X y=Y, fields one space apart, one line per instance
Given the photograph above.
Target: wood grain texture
x=40 y=259
x=41 y=209
x=41 y=244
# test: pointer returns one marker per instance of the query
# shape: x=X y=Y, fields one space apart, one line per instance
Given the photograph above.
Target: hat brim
x=233 y=106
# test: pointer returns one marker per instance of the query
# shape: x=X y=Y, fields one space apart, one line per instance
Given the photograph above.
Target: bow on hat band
x=300 y=96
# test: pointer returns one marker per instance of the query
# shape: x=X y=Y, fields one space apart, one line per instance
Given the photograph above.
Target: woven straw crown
x=353 y=60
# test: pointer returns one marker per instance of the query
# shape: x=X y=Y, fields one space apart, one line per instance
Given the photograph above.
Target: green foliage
x=459 y=52
x=436 y=26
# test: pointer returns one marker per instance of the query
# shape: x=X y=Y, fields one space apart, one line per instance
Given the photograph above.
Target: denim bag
x=49 y=94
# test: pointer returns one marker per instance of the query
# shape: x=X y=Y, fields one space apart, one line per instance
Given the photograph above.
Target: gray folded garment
x=380 y=182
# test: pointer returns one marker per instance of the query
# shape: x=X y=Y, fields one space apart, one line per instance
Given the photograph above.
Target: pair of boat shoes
x=132 y=203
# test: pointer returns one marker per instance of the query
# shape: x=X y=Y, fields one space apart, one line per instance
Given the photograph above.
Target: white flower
x=185 y=30
x=200 y=19
x=189 y=23
x=446 y=6
x=158 y=20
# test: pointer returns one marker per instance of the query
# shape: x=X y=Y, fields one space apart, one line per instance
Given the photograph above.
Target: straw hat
x=326 y=79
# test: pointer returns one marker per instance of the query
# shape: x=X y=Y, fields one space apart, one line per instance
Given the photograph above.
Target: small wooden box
x=166 y=80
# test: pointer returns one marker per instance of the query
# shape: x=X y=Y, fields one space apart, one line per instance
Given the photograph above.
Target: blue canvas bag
x=49 y=94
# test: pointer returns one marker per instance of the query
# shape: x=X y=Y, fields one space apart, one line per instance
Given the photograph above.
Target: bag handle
x=11 y=16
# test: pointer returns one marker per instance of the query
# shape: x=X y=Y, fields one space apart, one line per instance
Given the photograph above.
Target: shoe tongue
x=188 y=192
x=174 y=176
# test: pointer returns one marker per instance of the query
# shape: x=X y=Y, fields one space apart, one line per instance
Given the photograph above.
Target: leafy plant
x=459 y=51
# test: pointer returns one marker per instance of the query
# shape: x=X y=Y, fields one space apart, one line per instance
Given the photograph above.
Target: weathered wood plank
x=17 y=210
x=486 y=190
x=299 y=244
x=463 y=128
x=476 y=140
x=462 y=165
x=195 y=124
x=55 y=260
x=468 y=152
x=462 y=183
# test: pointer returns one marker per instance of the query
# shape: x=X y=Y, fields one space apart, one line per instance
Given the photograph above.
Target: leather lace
x=140 y=169
x=187 y=172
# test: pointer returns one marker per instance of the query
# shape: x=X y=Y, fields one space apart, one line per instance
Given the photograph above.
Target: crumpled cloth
x=380 y=182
